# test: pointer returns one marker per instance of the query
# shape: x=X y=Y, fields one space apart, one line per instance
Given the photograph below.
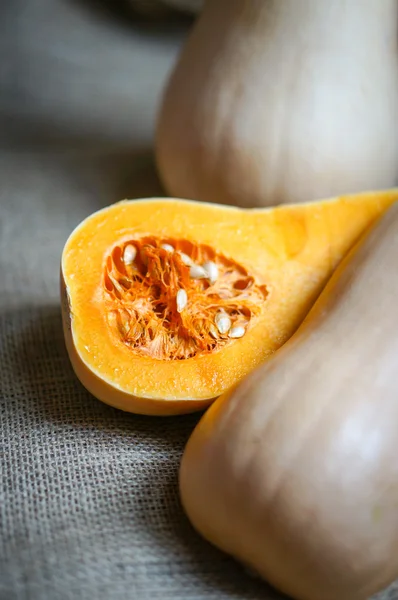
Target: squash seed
x=130 y=252
x=181 y=299
x=135 y=332
x=223 y=322
x=213 y=332
x=211 y=270
x=123 y=321
x=197 y=272
x=187 y=260
x=167 y=247
x=237 y=332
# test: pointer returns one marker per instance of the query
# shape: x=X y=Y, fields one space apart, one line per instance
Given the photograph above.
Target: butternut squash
x=295 y=471
x=282 y=101
x=168 y=303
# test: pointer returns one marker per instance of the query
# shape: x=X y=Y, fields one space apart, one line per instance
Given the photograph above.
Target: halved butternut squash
x=168 y=303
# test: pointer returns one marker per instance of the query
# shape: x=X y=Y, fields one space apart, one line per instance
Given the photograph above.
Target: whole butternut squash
x=168 y=303
x=275 y=101
x=295 y=472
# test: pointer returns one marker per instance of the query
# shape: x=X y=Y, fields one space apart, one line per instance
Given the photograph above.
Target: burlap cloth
x=89 y=505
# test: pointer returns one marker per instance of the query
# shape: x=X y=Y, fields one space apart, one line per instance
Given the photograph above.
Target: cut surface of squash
x=167 y=303
x=171 y=299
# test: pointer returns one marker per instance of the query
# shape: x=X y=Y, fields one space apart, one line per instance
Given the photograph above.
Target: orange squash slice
x=168 y=303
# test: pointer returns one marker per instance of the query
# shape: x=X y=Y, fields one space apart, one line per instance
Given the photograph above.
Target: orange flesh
x=288 y=253
x=140 y=298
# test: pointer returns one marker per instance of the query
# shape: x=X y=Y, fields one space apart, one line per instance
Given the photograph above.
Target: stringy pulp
x=173 y=299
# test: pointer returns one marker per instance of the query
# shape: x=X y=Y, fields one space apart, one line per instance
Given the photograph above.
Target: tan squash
x=280 y=101
x=168 y=303
x=295 y=472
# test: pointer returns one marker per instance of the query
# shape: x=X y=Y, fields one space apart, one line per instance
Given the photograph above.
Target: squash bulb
x=282 y=101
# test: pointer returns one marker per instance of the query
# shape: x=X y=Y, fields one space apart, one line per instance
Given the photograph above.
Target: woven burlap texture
x=89 y=503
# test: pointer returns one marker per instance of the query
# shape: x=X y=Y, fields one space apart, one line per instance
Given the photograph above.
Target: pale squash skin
x=295 y=472
x=281 y=101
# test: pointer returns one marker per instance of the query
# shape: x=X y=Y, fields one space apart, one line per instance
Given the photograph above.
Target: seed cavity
x=182 y=300
x=173 y=299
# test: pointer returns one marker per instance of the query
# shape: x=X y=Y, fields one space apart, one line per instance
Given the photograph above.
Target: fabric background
x=89 y=505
